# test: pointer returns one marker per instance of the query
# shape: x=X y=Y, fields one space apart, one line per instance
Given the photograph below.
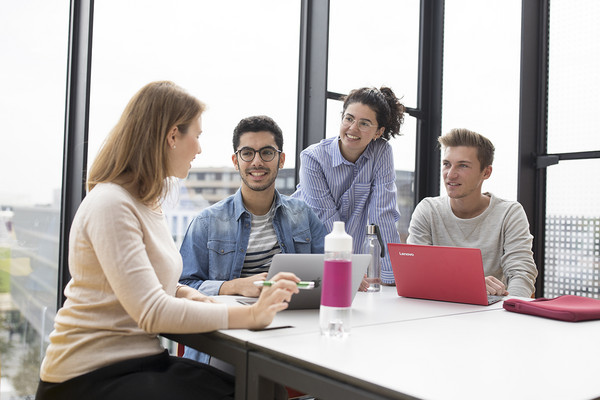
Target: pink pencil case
x=565 y=308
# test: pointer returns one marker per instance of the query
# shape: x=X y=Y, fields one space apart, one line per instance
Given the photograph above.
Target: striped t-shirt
x=262 y=245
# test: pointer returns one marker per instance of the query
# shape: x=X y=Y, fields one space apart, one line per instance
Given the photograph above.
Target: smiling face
x=355 y=136
x=183 y=148
x=462 y=172
x=258 y=175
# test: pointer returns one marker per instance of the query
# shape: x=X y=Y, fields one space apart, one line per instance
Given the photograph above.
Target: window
x=234 y=56
x=572 y=252
x=573 y=79
x=33 y=85
x=482 y=42
x=378 y=46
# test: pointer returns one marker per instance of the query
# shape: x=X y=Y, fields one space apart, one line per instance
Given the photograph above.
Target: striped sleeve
x=314 y=188
x=383 y=209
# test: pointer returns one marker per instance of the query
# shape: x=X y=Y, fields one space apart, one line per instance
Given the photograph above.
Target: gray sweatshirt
x=501 y=232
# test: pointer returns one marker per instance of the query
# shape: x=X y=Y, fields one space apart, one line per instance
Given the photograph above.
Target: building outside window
x=34 y=40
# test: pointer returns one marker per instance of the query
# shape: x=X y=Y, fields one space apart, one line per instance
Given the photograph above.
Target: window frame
x=312 y=102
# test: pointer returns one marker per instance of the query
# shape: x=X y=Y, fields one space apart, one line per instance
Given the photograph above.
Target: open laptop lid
x=309 y=267
x=439 y=273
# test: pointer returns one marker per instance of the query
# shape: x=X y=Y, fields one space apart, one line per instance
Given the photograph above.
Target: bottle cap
x=338 y=239
x=371 y=229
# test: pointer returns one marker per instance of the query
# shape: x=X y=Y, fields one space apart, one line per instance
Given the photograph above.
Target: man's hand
x=243 y=286
x=495 y=287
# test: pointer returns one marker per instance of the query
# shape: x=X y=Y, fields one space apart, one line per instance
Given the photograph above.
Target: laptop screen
x=439 y=273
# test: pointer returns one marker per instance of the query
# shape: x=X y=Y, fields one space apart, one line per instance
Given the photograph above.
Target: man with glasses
x=230 y=244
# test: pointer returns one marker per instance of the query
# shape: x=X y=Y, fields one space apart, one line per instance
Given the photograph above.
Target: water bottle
x=336 y=292
x=374 y=246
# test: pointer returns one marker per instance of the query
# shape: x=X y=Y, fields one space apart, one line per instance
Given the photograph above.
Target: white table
x=491 y=355
x=367 y=309
x=374 y=311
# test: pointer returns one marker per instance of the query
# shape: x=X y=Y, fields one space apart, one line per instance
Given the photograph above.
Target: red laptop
x=440 y=273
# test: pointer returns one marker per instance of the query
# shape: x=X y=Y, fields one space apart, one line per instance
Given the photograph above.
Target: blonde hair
x=464 y=137
x=137 y=146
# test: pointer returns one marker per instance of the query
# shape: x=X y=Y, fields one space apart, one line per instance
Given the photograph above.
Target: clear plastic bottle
x=374 y=247
x=336 y=294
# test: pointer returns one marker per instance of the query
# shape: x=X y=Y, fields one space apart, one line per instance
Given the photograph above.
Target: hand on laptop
x=495 y=287
x=243 y=286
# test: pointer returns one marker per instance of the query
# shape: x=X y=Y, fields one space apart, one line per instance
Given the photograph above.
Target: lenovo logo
x=406 y=254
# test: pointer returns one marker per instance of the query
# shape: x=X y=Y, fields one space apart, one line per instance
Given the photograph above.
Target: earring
x=174 y=147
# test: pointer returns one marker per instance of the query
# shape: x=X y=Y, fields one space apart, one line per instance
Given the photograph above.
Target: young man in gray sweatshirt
x=466 y=217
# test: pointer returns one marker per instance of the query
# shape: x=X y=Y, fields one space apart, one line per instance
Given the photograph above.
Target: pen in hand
x=301 y=285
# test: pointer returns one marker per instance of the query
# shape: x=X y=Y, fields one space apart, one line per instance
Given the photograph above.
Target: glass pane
x=239 y=57
x=573 y=80
x=572 y=258
x=374 y=46
x=482 y=41
x=33 y=44
x=404 y=161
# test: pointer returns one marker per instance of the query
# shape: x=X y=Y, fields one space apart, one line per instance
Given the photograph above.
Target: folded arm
x=517 y=259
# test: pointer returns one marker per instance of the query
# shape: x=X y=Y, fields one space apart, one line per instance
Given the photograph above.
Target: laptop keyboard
x=494 y=299
x=247 y=301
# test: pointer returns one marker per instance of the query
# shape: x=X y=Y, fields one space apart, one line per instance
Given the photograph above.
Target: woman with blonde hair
x=125 y=269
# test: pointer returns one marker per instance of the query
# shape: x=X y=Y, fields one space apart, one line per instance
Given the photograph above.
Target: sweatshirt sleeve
x=133 y=253
x=517 y=258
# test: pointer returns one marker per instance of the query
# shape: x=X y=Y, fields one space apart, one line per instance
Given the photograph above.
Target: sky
x=241 y=58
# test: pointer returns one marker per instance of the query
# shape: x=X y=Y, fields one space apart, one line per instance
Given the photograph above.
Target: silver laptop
x=309 y=267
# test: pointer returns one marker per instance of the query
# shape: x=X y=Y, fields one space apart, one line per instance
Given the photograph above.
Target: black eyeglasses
x=267 y=153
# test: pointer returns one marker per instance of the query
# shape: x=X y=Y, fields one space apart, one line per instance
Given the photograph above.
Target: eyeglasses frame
x=259 y=152
x=344 y=116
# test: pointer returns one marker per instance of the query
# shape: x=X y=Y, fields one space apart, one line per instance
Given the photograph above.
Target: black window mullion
x=312 y=76
x=533 y=125
x=429 y=99
x=76 y=129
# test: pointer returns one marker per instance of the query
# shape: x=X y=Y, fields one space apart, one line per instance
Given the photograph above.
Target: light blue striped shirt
x=357 y=193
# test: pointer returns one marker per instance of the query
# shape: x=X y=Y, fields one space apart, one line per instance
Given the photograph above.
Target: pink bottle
x=336 y=293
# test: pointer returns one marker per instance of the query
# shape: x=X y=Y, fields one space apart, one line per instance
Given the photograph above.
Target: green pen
x=301 y=284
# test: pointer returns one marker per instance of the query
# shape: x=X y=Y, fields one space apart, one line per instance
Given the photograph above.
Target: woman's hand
x=364 y=284
x=192 y=294
x=271 y=300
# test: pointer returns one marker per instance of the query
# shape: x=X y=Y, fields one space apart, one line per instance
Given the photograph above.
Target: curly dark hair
x=387 y=107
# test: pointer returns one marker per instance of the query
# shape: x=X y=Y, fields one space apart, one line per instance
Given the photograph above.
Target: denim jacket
x=215 y=243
